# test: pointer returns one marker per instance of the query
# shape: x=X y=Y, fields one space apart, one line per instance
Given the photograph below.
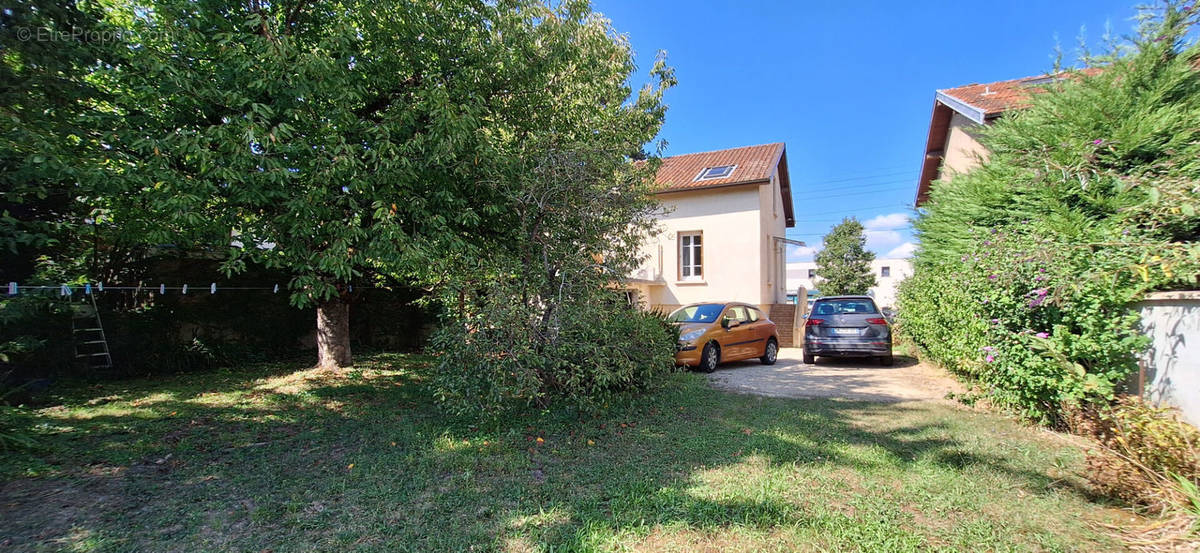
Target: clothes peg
x=276 y=291
x=87 y=288
x=65 y=290
x=212 y=289
x=162 y=288
x=184 y=290
x=12 y=288
x=100 y=286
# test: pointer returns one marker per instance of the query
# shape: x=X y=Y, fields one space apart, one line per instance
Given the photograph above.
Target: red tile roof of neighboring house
x=980 y=103
x=753 y=165
x=992 y=99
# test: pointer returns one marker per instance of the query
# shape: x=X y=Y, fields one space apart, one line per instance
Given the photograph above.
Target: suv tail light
x=814 y=322
x=877 y=321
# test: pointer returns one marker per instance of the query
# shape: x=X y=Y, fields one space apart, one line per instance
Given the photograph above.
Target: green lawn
x=274 y=458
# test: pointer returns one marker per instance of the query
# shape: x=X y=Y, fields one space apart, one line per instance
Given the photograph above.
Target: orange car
x=710 y=333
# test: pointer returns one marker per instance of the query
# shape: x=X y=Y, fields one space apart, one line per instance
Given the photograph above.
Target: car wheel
x=887 y=360
x=770 y=353
x=709 y=358
x=810 y=359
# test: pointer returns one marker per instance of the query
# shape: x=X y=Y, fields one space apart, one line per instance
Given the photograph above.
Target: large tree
x=844 y=263
x=336 y=139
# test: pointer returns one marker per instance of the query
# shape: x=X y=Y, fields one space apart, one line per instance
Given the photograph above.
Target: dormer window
x=719 y=172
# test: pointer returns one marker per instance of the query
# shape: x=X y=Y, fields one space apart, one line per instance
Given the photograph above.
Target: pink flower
x=989 y=358
x=1098 y=141
x=1042 y=335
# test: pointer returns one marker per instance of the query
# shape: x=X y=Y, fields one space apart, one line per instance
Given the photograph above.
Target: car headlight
x=691 y=335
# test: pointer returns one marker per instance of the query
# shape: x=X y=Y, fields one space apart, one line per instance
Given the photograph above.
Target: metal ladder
x=87 y=331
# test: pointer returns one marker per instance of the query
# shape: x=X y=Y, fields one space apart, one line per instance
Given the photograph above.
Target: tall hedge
x=1027 y=265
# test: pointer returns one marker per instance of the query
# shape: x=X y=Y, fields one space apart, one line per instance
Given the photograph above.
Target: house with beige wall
x=721 y=230
x=952 y=144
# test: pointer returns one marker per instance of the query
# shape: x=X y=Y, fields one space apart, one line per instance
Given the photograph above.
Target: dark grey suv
x=847 y=326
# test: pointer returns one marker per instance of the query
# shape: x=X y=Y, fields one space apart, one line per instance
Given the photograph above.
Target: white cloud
x=886 y=222
x=882 y=239
x=903 y=250
x=802 y=253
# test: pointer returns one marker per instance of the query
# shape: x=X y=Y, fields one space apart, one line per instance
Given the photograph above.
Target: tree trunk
x=333 y=334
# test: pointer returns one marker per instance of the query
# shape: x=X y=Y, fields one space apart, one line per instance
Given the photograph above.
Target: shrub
x=1148 y=457
x=502 y=358
x=1016 y=319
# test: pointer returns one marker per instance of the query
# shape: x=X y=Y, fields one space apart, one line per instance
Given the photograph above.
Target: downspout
x=780 y=241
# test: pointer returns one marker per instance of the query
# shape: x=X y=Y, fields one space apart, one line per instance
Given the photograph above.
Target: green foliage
x=497 y=361
x=341 y=142
x=531 y=313
x=1015 y=318
x=1028 y=264
x=844 y=264
x=535 y=320
x=48 y=158
x=15 y=425
x=27 y=324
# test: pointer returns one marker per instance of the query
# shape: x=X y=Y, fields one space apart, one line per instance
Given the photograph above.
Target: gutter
x=710 y=187
x=967 y=110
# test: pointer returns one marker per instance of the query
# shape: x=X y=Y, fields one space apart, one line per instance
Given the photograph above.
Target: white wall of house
x=884 y=292
x=733 y=268
x=772 y=253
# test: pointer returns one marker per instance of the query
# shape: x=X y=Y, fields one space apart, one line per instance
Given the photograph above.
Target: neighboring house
x=888 y=274
x=952 y=145
x=1168 y=374
x=722 y=230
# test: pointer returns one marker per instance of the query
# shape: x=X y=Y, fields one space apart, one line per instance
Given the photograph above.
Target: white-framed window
x=717 y=172
x=885 y=271
x=691 y=256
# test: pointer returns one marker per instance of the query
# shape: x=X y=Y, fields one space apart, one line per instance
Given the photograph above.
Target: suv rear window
x=843 y=307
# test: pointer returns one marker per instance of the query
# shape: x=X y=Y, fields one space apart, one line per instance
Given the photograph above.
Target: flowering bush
x=1029 y=328
x=1089 y=198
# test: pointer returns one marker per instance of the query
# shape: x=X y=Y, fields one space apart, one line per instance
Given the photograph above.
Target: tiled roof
x=754 y=164
x=992 y=99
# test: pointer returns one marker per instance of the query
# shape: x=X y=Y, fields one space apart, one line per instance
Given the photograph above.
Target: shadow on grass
x=274 y=459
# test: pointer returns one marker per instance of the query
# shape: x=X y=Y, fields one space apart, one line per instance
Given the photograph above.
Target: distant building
x=888 y=274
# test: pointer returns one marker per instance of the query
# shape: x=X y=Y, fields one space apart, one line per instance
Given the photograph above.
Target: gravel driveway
x=857 y=379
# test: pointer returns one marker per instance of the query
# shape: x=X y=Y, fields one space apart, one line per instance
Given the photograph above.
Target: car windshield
x=843 y=307
x=703 y=313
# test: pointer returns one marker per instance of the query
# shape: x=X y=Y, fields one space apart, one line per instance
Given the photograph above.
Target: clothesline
x=15 y=288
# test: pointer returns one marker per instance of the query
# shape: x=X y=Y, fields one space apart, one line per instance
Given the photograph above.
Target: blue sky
x=847 y=85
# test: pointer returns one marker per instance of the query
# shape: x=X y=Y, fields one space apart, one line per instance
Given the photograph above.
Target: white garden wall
x=1171 y=367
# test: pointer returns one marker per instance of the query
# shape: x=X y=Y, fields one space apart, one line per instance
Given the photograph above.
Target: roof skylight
x=718 y=172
